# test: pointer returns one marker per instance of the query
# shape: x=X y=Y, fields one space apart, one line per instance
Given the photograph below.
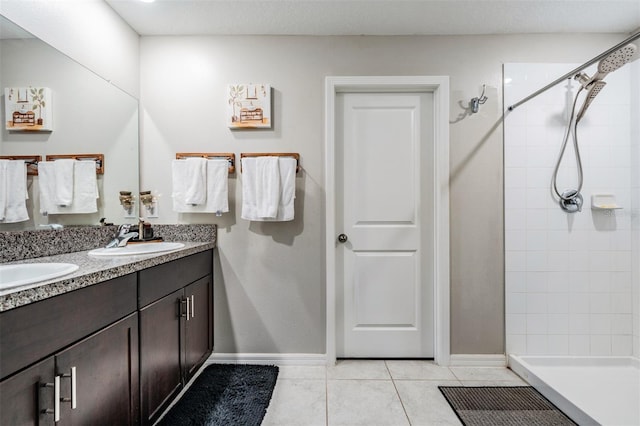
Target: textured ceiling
x=377 y=17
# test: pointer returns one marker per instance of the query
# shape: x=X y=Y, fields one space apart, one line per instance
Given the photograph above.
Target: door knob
x=343 y=238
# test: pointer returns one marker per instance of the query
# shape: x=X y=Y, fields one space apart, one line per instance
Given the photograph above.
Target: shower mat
x=502 y=405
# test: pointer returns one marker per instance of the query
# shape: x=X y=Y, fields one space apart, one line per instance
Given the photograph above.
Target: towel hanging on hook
x=475 y=103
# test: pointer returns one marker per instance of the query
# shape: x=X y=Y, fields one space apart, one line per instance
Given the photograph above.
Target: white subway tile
x=579 y=324
x=559 y=344
x=600 y=324
x=537 y=344
x=579 y=345
x=600 y=345
x=536 y=303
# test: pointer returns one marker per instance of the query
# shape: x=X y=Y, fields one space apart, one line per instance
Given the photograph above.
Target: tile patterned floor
x=374 y=393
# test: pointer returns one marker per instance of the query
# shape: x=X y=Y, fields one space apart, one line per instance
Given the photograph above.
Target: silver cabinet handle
x=186 y=312
x=74 y=389
x=56 y=398
x=193 y=305
x=74 y=394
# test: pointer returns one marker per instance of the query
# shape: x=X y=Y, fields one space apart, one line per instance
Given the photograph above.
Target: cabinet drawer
x=161 y=280
x=34 y=331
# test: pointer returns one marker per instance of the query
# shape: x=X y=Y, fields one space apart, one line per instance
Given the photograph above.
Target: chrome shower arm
x=572 y=73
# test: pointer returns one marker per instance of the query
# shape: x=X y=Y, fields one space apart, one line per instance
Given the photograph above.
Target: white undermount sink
x=30 y=273
x=136 y=248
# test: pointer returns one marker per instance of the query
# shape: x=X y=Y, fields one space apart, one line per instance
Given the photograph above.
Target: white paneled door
x=384 y=146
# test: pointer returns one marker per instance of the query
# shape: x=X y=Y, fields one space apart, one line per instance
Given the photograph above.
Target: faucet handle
x=123 y=229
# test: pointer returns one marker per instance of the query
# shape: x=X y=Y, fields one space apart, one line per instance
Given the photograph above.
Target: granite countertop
x=92 y=270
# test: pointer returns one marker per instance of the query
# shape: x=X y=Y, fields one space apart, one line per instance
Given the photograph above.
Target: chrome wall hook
x=475 y=103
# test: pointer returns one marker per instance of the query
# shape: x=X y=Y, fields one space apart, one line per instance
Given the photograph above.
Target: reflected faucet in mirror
x=149 y=202
x=127 y=200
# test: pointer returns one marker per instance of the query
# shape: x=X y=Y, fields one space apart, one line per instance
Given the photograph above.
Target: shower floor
x=590 y=390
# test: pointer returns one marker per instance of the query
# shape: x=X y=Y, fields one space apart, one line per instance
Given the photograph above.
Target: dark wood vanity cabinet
x=176 y=328
x=97 y=373
x=129 y=344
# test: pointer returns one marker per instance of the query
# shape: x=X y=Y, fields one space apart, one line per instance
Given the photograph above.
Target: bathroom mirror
x=90 y=116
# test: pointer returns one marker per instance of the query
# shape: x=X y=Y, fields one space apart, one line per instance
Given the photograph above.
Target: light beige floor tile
x=418 y=370
x=364 y=402
x=358 y=370
x=297 y=402
x=425 y=404
x=302 y=372
x=484 y=374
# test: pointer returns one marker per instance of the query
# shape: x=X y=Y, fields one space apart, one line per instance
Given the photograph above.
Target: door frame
x=439 y=86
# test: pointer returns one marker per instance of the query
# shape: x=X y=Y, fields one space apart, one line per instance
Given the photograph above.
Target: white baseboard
x=271 y=359
x=472 y=360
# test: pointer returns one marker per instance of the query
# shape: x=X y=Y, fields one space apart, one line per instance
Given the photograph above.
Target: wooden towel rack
x=272 y=154
x=98 y=158
x=30 y=160
x=229 y=156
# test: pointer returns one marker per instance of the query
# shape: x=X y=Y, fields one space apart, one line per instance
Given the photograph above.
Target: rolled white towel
x=14 y=208
x=63 y=170
x=196 y=181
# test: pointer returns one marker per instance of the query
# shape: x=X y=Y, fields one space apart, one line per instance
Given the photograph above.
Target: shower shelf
x=604 y=202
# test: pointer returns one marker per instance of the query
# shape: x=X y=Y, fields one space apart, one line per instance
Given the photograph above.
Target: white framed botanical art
x=249 y=106
x=28 y=109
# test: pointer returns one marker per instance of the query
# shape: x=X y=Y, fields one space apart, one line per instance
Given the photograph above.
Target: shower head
x=594 y=89
x=609 y=64
x=617 y=59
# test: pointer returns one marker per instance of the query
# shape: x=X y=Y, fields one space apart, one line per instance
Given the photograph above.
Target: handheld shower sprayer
x=571 y=199
x=595 y=84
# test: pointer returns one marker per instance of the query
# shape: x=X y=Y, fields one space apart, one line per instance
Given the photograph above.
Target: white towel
x=217 y=192
x=46 y=186
x=13 y=191
x=85 y=188
x=217 y=186
x=63 y=170
x=256 y=191
x=196 y=181
x=288 y=168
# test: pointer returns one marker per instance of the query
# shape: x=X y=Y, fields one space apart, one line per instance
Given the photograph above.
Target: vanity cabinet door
x=23 y=399
x=199 y=325
x=105 y=369
x=160 y=372
x=105 y=366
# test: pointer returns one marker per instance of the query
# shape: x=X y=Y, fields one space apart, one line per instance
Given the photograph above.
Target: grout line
x=326 y=395
x=397 y=393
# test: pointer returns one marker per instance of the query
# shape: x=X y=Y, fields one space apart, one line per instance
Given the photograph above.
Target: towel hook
x=476 y=102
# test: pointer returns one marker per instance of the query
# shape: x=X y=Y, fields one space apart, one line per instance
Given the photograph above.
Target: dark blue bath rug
x=503 y=406
x=225 y=394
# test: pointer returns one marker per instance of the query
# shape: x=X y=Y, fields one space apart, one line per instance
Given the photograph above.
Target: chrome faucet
x=123 y=236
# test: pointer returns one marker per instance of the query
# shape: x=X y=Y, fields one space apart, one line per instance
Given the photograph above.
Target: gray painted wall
x=270 y=277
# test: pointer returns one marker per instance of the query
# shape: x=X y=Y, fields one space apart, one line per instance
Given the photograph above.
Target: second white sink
x=137 y=248
x=28 y=273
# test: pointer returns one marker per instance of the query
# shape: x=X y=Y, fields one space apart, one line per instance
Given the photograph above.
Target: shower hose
x=572 y=127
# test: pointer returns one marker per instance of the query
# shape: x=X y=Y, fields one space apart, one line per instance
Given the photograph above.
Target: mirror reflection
x=89 y=116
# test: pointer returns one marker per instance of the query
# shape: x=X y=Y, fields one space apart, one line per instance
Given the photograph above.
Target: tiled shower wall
x=570 y=278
